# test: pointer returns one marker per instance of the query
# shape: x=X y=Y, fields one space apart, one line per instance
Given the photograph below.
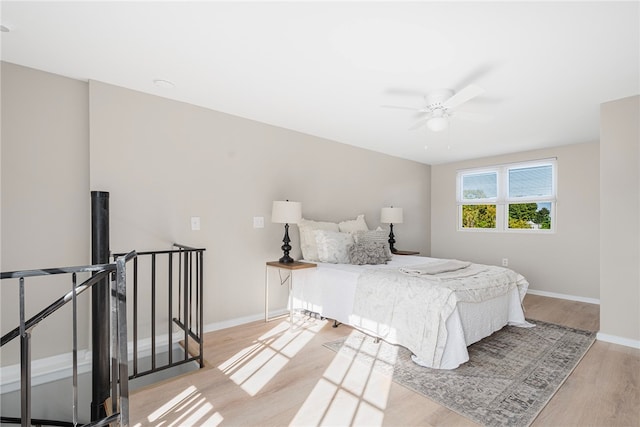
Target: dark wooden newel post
x=100 y=373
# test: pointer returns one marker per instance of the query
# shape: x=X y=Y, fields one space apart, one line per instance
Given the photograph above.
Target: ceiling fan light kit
x=439 y=119
x=438 y=124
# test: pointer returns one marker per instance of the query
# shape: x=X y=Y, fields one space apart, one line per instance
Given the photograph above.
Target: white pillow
x=351 y=226
x=333 y=246
x=308 y=244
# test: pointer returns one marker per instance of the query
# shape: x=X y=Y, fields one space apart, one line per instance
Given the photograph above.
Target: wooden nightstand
x=290 y=268
x=397 y=252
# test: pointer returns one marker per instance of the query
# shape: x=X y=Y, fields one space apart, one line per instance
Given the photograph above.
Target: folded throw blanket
x=443 y=266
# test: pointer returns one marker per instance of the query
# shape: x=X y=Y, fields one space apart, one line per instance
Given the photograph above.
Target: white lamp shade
x=391 y=215
x=286 y=212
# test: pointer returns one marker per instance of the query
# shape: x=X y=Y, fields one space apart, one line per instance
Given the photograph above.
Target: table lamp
x=286 y=212
x=391 y=216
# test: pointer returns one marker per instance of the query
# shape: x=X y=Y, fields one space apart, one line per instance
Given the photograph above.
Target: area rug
x=509 y=378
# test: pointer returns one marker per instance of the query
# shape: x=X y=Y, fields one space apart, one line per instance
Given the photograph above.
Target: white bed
x=331 y=291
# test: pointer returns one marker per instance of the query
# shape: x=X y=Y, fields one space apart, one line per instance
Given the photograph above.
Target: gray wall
x=163 y=162
x=45 y=199
x=620 y=219
x=565 y=262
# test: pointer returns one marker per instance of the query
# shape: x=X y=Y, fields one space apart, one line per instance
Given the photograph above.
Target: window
x=510 y=197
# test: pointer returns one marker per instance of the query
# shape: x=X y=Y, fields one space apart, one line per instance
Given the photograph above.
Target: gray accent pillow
x=368 y=253
x=377 y=236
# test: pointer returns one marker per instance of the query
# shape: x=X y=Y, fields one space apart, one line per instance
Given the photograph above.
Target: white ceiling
x=326 y=68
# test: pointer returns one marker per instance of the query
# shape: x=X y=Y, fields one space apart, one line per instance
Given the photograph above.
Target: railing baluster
x=135 y=316
x=197 y=286
x=200 y=318
x=75 y=347
x=186 y=304
x=121 y=310
x=115 y=339
x=25 y=363
x=190 y=291
x=153 y=311
x=180 y=285
x=201 y=309
x=200 y=290
x=170 y=309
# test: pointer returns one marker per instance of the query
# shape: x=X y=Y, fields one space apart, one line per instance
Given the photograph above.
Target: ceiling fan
x=440 y=105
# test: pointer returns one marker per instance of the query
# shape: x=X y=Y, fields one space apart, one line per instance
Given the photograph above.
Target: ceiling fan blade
x=477 y=74
x=419 y=124
x=463 y=96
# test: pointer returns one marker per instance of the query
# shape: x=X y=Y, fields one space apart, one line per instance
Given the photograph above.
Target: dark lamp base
x=392 y=239
x=286 y=247
x=286 y=260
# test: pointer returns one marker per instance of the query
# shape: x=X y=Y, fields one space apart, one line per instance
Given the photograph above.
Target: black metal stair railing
x=175 y=275
x=116 y=271
x=170 y=284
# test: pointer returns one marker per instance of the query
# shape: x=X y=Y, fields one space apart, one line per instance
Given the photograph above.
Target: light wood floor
x=262 y=374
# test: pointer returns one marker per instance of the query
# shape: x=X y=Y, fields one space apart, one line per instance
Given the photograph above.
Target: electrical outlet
x=258 y=222
x=195 y=223
x=505 y=262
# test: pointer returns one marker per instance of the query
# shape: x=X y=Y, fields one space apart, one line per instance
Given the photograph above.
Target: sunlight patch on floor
x=351 y=392
x=256 y=372
x=314 y=408
x=187 y=408
x=254 y=366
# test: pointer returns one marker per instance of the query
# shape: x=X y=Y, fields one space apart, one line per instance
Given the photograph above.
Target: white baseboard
x=563 y=296
x=45 y=370
x=216 y=326
x=627 y=342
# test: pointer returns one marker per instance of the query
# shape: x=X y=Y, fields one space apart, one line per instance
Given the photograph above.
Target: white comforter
x=410 y=306
x=330 y=290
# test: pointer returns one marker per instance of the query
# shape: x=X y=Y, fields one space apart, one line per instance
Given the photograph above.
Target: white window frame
x=502 y=199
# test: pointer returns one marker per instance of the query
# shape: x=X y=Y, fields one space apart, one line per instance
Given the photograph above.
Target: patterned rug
x=509 y=378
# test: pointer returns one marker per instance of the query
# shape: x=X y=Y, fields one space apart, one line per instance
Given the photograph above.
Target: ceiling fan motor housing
x=436 y=98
